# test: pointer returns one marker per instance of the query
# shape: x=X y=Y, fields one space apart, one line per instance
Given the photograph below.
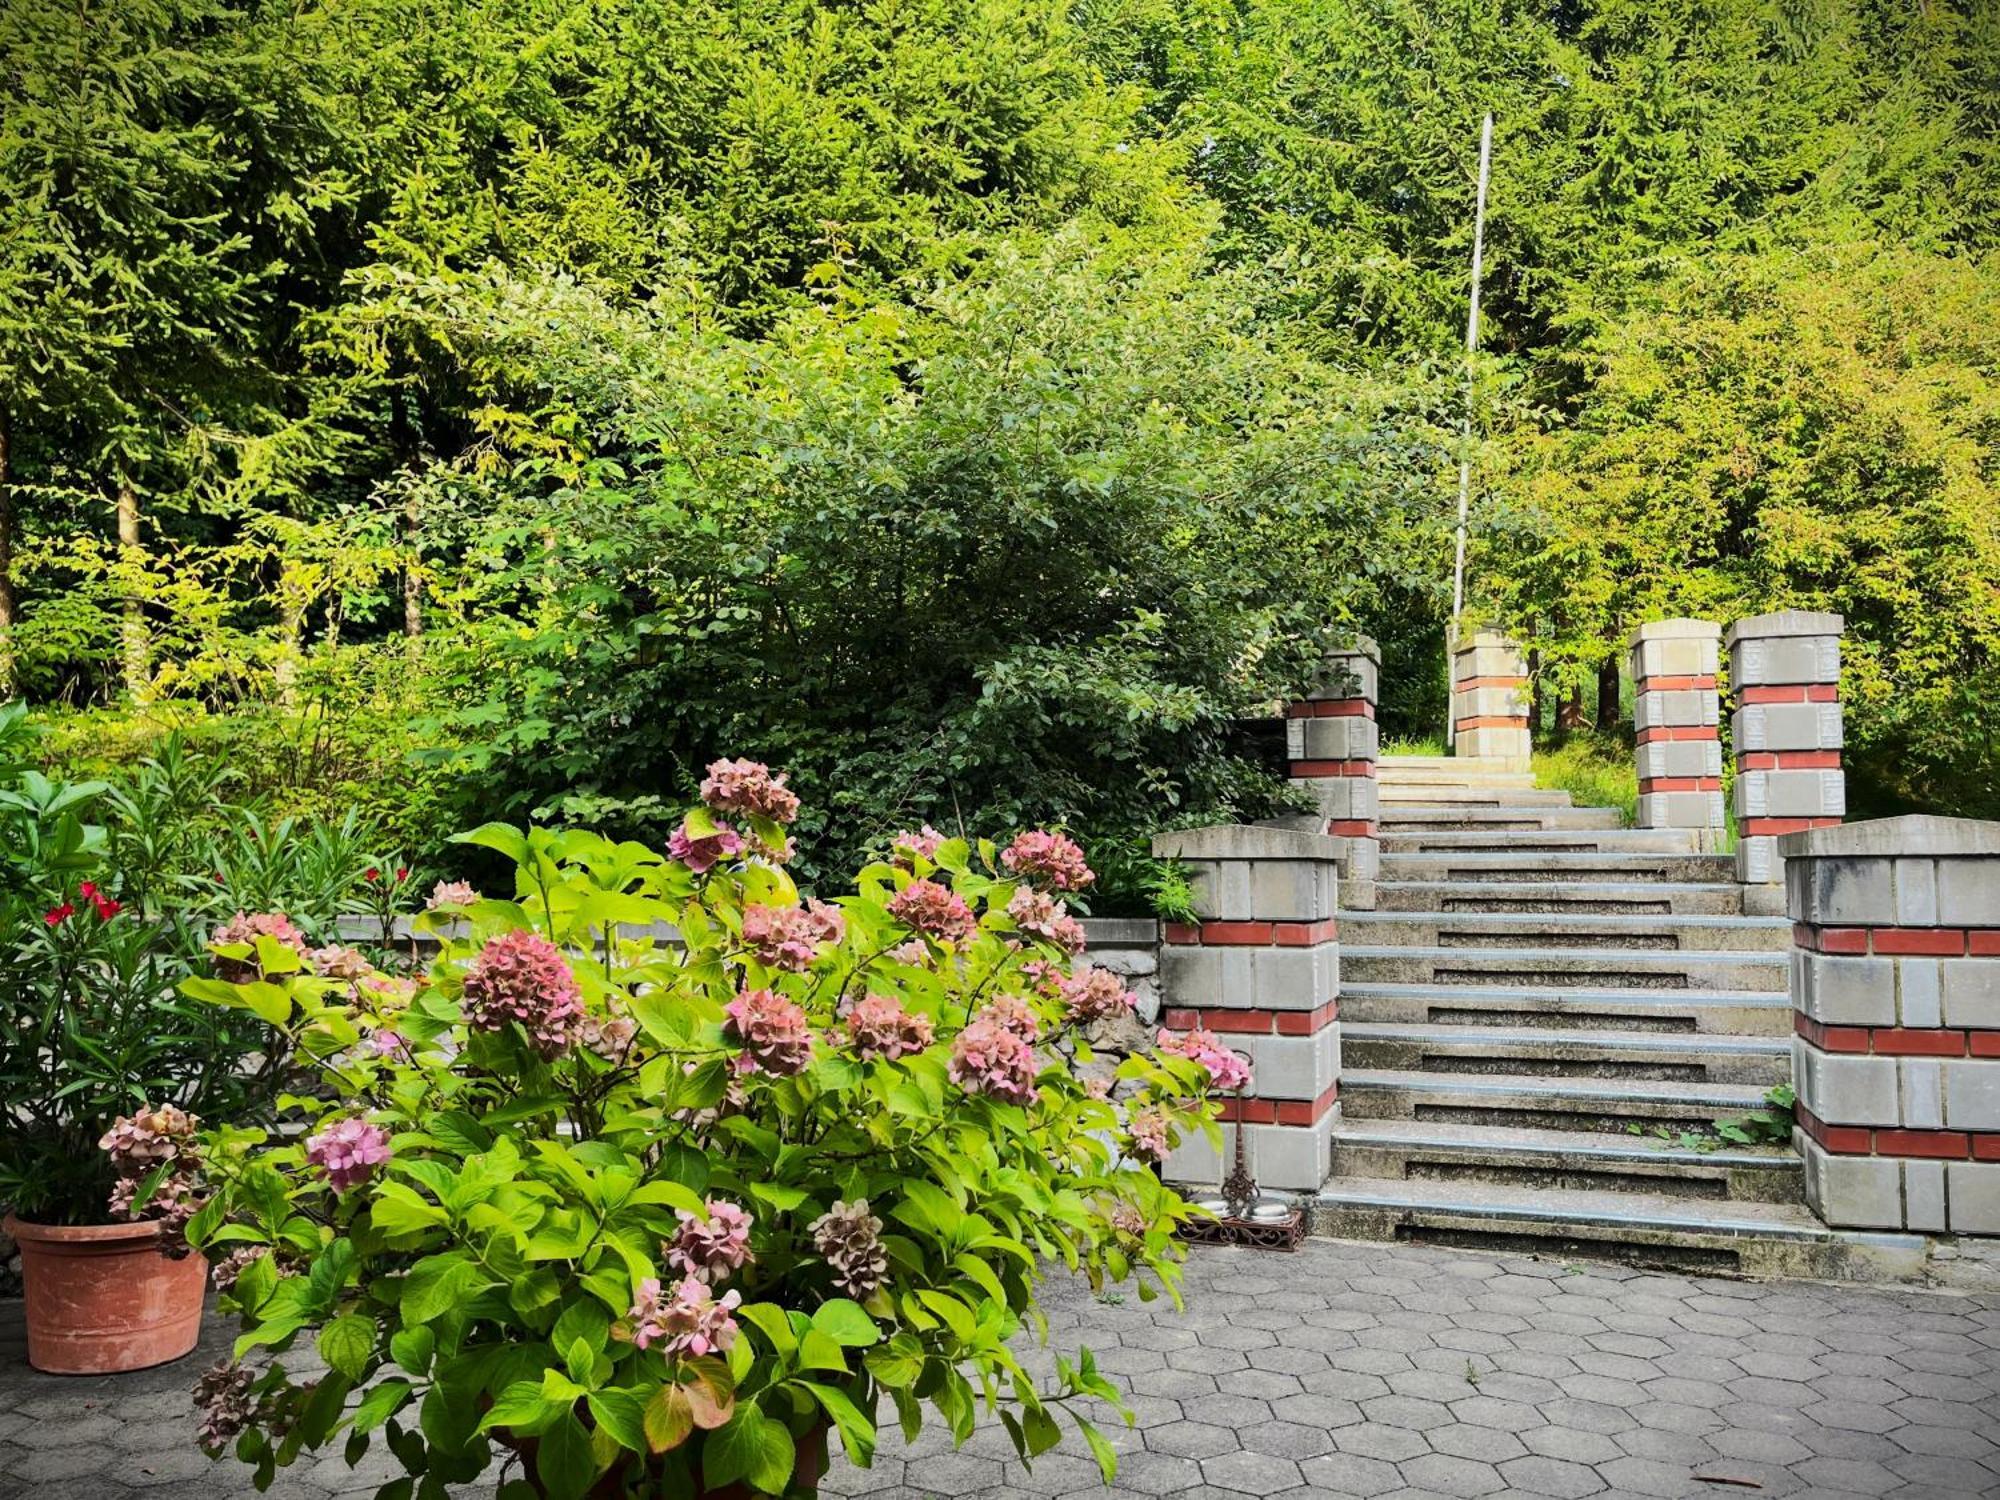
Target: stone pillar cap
x=1364 y=645
x=1244 y=841
x=1915 y=836
x=1785 y=622
x=1676 y=630
x=1485 y=638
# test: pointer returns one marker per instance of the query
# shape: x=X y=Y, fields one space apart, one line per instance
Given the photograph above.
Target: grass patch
x=1429 y=744
x=1596 y=770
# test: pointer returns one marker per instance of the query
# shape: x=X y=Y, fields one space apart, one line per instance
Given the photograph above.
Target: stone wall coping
x=1785 y=622
x=1676 y=630
x=1121 y=932
x=1245 y=841
x=1487 y=639
x=1915 y=836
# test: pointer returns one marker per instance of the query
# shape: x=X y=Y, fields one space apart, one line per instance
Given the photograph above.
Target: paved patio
x=1365 y=1370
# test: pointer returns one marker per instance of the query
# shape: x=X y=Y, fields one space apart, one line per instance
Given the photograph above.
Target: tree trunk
x=413 y=583
x=1569 y=716
x=291 y=625
x=9 y=663
x=1607 y=695
x=132 y=631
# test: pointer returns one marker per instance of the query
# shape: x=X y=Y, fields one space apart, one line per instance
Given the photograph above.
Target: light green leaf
x=847 y=1322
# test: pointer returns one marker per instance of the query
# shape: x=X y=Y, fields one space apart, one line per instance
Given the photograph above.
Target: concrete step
x=1527 y=841
x=1438 y=1152
x=1600 y=898
x=1469 y=765
x=1403 y=793
x=1656 y=1231
x=1566 y=929
x=1686 y=1012
x=1546 y=1052
x=1602 y=1106
x=1549 y=967
x=1420 y=818
x=1504 y=867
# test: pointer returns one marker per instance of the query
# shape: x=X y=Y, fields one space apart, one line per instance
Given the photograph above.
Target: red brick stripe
x=1255 y=1022
x=1897 y=1041
x=1351 y=828
x=1789 y=760
x=1799 y=692
x=1333 y=768
x=1678 y=732
x=1494 y=721
x=1755 y=827
x=1331 y=708
x=1280 y=1111
x=1253 y=934
x=1681 y=784
x=1676 y=684
x=1863 y=1140
x=1467 y=684
x=1926 y=942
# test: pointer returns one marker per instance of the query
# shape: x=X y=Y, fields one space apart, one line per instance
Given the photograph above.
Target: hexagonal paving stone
x=1287 y=1439
x=1552 y=1476
x=1350 y=1474
x=1192 y=1440
x=1251 y=1473
x=1446 y=1475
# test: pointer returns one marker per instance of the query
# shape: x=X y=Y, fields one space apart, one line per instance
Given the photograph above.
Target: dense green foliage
x=936 y=367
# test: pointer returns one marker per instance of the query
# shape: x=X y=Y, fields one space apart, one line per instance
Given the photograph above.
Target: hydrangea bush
x=628 y=1215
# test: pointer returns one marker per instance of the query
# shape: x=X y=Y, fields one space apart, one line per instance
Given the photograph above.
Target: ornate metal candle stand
x=1245 y=1216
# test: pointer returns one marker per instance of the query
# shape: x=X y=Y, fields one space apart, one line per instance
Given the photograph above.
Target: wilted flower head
x=246 y=928
x=748 y=787
x=175 y=1199
x=935 y=910
x=223 y=1394
x=915 y=951
x=879 y=1027
x=1040 y=915
x=711 y=1249
x=1227 y=1071
x=789 y=937
x=223 y=1273
x=139 y=1142
x=1096 y=994
x=906 y=847
x=348 y=1151
x=452 y=895
x=1126 y=1218
x=1147 y=1135
x=610 y=1037
x=700 y=852
x=690 y=1322
x=771 y=1030
x=850 y=1237
x=1050 y=858
x=988 y=1058
x=337 y=962
x=522 y=976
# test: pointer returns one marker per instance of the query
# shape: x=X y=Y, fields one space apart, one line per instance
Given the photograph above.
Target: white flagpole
x=1471 y=344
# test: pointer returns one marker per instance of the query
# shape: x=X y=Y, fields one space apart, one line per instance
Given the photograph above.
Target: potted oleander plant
x=662 y=1173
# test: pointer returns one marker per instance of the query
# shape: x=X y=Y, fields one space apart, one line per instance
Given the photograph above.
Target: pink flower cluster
x=348 y=1151
x=1227 y=1071
x=1016 y=1014
x=337 y=962
x=989 y=1058
x=227 y=1407
x=522 y=976
x=771 y=1030
x=610 y=1037
x=451 y=895
x=701 y=852
x=690 y=1322
x=245 y=928
x=879 y=1027
x=711 y=1248
x=906 y=848
x=1040 y=915
x=1054 y=860
x=935 y=910
x=1095 y=995
x=749 y=788
x=789 y=937
x=139 y=1142
x=1147 y=1139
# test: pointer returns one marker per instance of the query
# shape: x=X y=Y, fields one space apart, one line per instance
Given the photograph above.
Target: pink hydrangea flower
x=522 y=976
x=879 y=1027
x=245 y=928
x=749 y=788
x=691 y=1322
x=1044 y=977
x=1146 y=1132
x=987 y=1058
x=1096 y=994
x=1227 y=1071
x=772 y=1031
x=700 y=852
x=139 y=1142
x=337 y=962
x=1040 y=915
x=711 y=1249
x=610 y=1037
x=934 y=910
x=451 y=895
x=915 y=951
x=1051 y=858
x=906 y=847
x=349 y=1151
x=1016 y=1014
x=789 y=937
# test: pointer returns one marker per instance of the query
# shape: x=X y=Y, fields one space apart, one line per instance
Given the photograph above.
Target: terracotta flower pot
x=103 y=1299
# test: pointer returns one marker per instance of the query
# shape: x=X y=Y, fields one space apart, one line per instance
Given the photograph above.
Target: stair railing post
x=1895 y=988
x=1261 y=968
x=1677 y=718
x=1785 y=734
x=1489 y=700
x=1332 y=746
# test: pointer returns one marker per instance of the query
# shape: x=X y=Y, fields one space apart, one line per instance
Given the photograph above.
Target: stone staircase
x=1542 y=1007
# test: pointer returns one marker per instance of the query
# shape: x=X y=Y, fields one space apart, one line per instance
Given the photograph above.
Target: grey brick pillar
x=1895 y=986
x=1489 y=700
x=1784 y=675
x=1262 y=969
x=1677 y=716
x=1332 y=746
